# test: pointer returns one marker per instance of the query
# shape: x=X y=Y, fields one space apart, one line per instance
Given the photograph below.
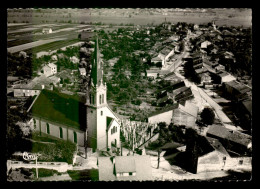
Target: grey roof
x=142 y=167
x=217 y=145
x=165 y=109
x=234 y=136
x=125 y=164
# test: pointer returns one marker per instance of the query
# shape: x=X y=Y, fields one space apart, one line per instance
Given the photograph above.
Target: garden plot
x=46 y=25
x=16 y=24
x=23 y=30
x=32 y=45
x=82 y=26
x=64 y=29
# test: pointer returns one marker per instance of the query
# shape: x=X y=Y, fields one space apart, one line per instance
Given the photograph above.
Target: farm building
x=46 y=30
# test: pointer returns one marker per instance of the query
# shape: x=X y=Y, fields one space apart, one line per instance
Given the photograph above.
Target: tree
x=207 y=116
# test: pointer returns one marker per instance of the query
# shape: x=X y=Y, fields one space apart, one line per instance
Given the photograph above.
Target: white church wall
x=55 y=131
x=114 y=136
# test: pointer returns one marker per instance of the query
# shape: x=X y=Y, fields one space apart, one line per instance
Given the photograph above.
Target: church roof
x=60 y=108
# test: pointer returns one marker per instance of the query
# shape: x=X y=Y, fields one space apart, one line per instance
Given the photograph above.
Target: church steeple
x=97 y=67
x=96 y=95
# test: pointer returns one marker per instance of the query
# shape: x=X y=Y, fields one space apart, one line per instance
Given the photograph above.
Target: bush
x=207 y=116
x=45 y=172
x=58 y=151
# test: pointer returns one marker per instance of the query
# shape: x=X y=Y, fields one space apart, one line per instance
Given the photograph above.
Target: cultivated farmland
x=31 y=45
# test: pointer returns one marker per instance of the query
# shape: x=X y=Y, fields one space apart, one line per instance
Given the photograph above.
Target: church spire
x=96 y=72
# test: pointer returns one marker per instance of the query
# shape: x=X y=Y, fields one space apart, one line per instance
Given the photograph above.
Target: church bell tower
x=96 y=97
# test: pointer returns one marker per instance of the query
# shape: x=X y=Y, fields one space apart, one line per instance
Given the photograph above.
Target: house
x=219 y=67
x=34 y=87
x=125 y=168
x=164 y=54
x=82 y=71
x=208 y=154
x=156 y=60
x=176 y=113
x=224 y=77
x=89 y=123
x=154 y=73
x=235 y=88
x=49 y=69
x=206 y=78
x=234 y=141
x=185 y=115
x=46 y=30
x=182 y=94
x=164 y=115
x=205 y=44
x=196 y=27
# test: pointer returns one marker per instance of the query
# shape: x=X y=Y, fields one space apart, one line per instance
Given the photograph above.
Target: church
x=88 y=122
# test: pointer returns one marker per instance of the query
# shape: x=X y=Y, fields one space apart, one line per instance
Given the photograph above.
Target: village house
x=34 y=87
x=82 y=71
x=181 y=94
x=46 y=30
x=185 y=115
x=209 y=154
x=165 y=54
x=178 y=114
x=88 y=122
x=156 y=59
x=235 y=142
x=49 y=69
x=234 y=88
x=154 y=73
x=225 y=77
x=205 y=44
x=125 y=168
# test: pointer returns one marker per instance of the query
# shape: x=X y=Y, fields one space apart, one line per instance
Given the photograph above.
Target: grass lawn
x=55 y=151
x=87 y=174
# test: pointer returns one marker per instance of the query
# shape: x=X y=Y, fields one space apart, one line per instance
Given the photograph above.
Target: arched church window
x=101 y=112
x=75 y=137
x=116 y=129
x=61 y=133
x=100 y=99
x=48 y=128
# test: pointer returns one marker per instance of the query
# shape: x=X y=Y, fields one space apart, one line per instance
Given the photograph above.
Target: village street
x=201 y=97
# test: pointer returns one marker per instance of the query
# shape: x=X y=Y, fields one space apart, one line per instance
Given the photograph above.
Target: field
x=66 y=25
x=54 y=45
x=235 y=17
x=31 y=45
